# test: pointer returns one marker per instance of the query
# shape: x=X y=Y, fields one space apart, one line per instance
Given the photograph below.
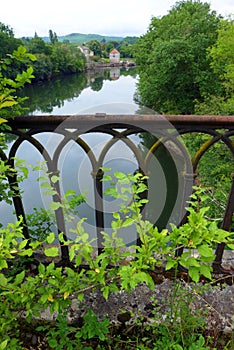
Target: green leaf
x=53 y=343
x=27 y=252
x=50 y=192
x=119 y=175
x=55 y=205
x=231 y=246
x=105 y=169
x=205 y=250
x=111 y=192
x=170 y=264
x=3 y=280
x=52 y=252
x=177 y=347
x=61 y=237
x=69 y=193
x=45 y=185
x=7 y=104
x=71 y=253
x=23 y=244
x=55 y=179
x=128 y=222
x=43 y=299
x=19 y=278
x=205 y=270
x=192 y=262
x=78 y=260
x=115 y=224
x=41 y=269
x=105 y=292
x=194 y=273
x=3 y=345
x=107 y=178
x=141 y=188
x=50 y=238
x=50 y=268
x=2 y=120
x=3 y=264
x=116 y=216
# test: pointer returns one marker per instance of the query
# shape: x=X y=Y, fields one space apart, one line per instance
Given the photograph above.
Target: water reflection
x=110 y=91
x=74 y=93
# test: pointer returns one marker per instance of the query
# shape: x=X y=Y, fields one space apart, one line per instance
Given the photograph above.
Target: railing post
x=99 y=215
x=226 y=225
x=19 y=209
x=189 y=180
x=60 y=221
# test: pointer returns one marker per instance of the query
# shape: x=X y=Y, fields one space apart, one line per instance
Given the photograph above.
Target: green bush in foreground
x=25 y=295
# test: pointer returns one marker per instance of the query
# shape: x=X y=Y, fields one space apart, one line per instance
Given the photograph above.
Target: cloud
x=130 y=17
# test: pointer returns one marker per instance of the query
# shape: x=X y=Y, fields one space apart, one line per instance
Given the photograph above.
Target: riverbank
x=95 y=65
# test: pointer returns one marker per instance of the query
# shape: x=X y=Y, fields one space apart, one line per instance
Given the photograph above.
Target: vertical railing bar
x=226 y=225
x=16 y=198
x=99 y=214
x=189 y=180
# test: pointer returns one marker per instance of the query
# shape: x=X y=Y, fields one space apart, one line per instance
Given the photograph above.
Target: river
x=108 y=91
x=104 y=90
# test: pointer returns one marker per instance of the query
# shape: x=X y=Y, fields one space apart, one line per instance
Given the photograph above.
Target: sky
x=106 y=17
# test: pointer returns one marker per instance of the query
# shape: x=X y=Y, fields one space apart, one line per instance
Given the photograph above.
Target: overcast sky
x=119 y=18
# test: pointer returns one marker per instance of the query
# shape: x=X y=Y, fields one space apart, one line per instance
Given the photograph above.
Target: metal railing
x=164 y=146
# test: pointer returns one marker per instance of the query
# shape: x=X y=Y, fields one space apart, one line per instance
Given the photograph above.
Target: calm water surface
x=109 y=91
x=105 y=90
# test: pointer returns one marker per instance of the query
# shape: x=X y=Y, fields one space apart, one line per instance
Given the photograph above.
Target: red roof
x=114 y=51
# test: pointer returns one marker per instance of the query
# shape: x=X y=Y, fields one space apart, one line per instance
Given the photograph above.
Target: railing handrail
x=202 y=121
x=217 y=127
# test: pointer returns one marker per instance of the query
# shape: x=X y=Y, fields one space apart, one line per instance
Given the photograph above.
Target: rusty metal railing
x=165 y=145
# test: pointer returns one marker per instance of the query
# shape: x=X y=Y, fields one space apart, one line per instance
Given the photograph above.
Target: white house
x=114 y=56
x=86 y=51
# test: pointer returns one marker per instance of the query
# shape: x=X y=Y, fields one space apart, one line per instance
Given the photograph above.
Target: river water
x=104 y=90
x=108 y=91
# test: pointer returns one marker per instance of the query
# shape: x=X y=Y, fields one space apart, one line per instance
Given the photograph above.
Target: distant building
x=114 y=56
x=86 y=51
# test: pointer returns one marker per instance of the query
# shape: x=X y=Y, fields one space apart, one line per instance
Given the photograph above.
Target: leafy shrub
x=113 y=270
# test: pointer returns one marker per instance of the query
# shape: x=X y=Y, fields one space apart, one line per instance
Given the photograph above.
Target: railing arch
x=120 y=127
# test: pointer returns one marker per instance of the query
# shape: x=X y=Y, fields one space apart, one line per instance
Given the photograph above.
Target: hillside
x=79 y=38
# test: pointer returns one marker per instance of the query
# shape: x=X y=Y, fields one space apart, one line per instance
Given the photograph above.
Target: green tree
x=95 y=46
x=172 y=58
x=126 y=50
x=9 y=44
x=10 y=104
x=66 y=59
x=38 y=46
x=222 y=63
x=43 y=67
x=53 y=37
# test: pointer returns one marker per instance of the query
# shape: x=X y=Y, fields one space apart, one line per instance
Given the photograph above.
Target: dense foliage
x=177 y=58
x=221 y=55
x=186 y=66
x=52 y=58
x=117 y=269
x=12 y=80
